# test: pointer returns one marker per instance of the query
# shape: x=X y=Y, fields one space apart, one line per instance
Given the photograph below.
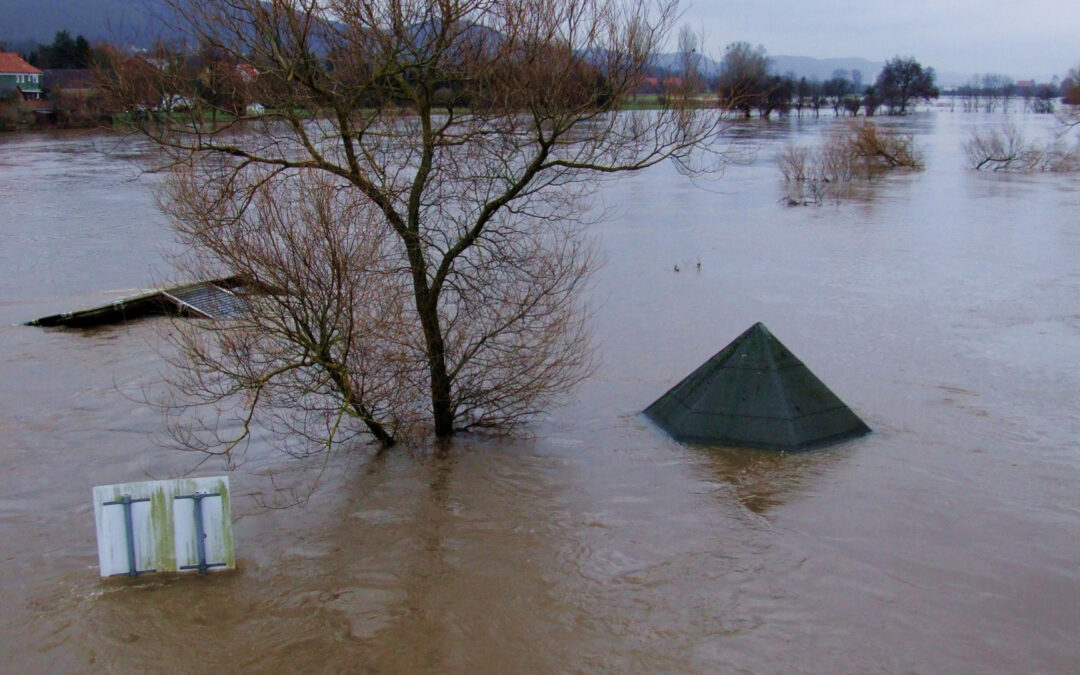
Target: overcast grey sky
x=1023 y=39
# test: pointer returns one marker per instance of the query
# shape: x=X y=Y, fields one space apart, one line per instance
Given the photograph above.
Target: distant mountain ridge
x=801 y=66
x=822 y=69
x=27 y=23
x=116 y=21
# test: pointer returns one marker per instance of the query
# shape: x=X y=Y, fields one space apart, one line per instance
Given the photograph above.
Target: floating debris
x=203 y=299
x=755 y=393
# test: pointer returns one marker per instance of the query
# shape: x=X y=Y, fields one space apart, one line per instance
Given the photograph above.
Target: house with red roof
x=17 y=74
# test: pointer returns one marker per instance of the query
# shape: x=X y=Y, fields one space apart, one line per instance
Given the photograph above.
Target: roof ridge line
x=778 y=382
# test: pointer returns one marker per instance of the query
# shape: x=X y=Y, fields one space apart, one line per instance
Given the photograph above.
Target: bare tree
x=456 y=145
x=1069 y=116
x=1008 y=92
x=871 y=101
x=861 y=150
x=323 y=346
x=1000 y=150
x=837 y=89
x=876 y=150
x=744 y=77
x=1043 y=99
x=991 y=90
x=690 y=45
x=816 y=96
x=1070 y=87
x=1005 y=150
x=970 y=95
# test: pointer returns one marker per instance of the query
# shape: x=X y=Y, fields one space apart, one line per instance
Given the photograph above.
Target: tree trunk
x=442 y=409
x=427 y=308
x=441 y=406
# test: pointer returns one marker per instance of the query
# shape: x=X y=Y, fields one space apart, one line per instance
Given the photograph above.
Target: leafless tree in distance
x=744 y=77
x=859 y=150
x=1005 y=150
x=1069 y=115
x=1002 y=150
x=690 y=45
x=409 y=207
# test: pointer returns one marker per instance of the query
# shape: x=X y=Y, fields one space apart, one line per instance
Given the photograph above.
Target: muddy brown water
x=943 y=306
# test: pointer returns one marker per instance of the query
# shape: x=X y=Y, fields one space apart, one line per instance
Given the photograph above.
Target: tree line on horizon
x=745 y=82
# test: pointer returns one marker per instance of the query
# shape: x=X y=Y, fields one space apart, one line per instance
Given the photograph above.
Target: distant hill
x=801 y=66
x=673 y=62
x=822 y=69
x=129 y=22
x=27 y=23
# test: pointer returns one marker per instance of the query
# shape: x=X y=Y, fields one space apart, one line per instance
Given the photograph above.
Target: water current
x=943 y=306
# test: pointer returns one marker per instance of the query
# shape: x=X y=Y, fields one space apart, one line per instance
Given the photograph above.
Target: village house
x=16 y=74
x=658 y=85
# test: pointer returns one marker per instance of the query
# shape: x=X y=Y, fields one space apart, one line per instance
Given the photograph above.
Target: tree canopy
x=1070 y=87
x=63 y=53
x=745 y=82
x=904 y=81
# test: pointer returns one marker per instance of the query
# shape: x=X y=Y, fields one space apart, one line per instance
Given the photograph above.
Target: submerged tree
x=410 y=206
x=837 y=89
x=1005 y=150
x=904 y=81
x=744 y=77
x=1070 y=88
x=859 y=150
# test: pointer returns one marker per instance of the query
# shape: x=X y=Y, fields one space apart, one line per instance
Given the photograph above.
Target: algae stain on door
x=157 y=526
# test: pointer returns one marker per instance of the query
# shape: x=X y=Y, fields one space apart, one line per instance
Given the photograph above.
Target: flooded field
x=942 y=306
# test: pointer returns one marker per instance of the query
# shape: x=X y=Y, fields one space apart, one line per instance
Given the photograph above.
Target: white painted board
x=112 y=536
x=165 y=537
x=186 y=537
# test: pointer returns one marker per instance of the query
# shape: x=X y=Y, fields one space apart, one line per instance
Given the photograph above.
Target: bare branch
x=410 y=200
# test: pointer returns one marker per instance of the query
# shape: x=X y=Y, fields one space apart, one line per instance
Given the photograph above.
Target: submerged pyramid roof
x=755 y=393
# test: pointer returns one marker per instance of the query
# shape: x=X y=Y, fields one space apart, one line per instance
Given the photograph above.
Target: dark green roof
x=755 y=393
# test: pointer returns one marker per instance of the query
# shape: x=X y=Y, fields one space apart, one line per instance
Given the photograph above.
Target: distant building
x=16 y=74
x=247 y=72
x=658 y=85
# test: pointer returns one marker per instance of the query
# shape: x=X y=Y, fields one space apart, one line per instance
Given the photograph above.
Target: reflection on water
x=943 y=308
x=764 y=479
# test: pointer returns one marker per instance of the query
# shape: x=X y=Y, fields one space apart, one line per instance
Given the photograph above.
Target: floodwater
x=942 y=306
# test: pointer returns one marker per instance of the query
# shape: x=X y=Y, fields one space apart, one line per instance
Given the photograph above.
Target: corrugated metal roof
x=205 y=299
x=212 y=300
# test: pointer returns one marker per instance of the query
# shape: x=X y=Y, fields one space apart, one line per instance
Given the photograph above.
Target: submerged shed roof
x=755 y=393
x=202 y=299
